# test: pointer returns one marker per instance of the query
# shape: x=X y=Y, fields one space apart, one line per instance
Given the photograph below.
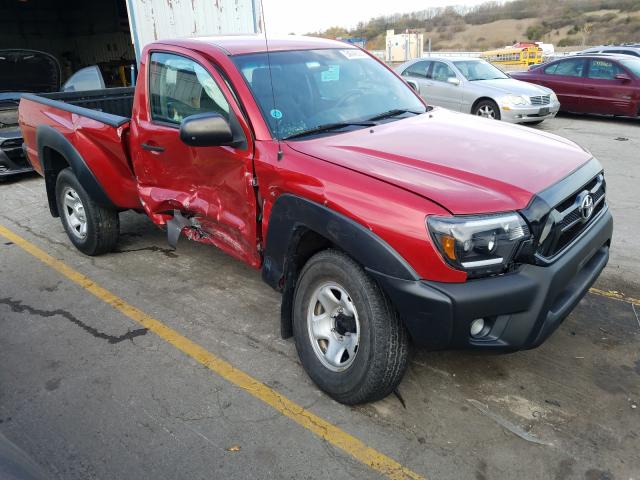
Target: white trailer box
x=151 y=20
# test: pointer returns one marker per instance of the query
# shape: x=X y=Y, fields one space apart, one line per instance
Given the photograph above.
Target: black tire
x=487 y=104
x=383 y=348
x=102 y=224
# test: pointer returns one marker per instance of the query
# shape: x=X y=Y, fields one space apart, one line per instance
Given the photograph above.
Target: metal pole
x=406 y=46
x=133 y=75
x=429 y=46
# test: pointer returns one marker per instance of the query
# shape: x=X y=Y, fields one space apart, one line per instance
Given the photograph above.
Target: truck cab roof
x=245 y=44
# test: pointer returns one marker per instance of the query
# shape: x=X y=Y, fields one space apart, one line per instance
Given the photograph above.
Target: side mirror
x=453 y=81
x=413 y=85
x=206 y=130
x=623 y=76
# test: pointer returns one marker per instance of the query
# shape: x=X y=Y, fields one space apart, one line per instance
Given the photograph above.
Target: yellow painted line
x=320 y=427
x=615 y=295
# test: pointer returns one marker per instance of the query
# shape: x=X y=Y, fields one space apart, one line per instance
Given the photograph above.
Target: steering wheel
x=348 y=96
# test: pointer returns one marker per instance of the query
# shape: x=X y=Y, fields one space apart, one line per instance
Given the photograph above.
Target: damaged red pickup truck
x=382 y=221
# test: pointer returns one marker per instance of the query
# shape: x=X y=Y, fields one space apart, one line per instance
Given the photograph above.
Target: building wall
x=403 y=46
x=77 y=32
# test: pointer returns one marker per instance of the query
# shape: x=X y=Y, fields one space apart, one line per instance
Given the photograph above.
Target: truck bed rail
x=111 y=106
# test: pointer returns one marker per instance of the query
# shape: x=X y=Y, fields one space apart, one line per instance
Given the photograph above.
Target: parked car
x=30 y=71
x=475 y=86
x=382 y=221
x=21 y=71
x=603 y=84
x=632 y=50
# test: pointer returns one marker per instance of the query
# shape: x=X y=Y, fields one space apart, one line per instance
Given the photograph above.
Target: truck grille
x=541 y=100
x=570 y=217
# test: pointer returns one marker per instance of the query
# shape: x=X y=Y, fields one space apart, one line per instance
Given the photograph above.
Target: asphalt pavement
x=149 y=363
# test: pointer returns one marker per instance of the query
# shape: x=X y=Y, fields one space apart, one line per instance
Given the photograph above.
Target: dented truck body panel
x=213 y=184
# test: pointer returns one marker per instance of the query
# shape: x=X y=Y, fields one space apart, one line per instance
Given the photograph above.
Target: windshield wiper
x=329 y=127
x=392 y=113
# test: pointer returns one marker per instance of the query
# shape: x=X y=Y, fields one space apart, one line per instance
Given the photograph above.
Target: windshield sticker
x=277 y=114
x=354 y=53
x=331 y=74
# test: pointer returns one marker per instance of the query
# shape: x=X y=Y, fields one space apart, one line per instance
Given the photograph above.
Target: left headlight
x=516 y=100
x=553 y=98
x=479 y=245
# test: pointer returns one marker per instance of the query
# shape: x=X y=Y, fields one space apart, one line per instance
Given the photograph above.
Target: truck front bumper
x=521 y=309
x=13 y=159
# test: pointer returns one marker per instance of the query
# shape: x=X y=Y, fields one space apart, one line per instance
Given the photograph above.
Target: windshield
x=632 y=64
x=479 y=70
x=314 y=88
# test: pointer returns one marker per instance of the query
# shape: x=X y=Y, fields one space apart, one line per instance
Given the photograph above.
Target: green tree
x=535 y=32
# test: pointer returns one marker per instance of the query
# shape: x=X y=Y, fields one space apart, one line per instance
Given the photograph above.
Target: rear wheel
x=487 y=109
x=349 y=338
x=93 y=229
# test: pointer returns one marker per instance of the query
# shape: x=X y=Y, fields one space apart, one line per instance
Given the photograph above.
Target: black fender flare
x=48 y=138
x=291 y=217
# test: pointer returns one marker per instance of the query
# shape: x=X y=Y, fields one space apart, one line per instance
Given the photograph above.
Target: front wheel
x=93 y=229
x=487 y=109
x=349 y=338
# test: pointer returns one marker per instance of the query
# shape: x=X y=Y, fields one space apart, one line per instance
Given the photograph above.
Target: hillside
x=495 y=24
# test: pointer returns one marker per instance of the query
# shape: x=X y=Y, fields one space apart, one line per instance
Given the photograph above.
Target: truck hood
x=464 y=163
x=28 y=71
x=511 y=85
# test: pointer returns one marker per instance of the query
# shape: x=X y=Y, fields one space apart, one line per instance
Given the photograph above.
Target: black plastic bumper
x=522 y=308
x=13 y=158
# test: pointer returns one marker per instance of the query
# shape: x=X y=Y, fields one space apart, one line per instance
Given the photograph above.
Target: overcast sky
x=304 y=16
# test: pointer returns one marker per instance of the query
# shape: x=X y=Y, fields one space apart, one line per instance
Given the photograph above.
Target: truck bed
x=91 y=125
x=111 y=106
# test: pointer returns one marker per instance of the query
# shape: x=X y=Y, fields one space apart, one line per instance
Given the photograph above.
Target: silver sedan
x=473 y=85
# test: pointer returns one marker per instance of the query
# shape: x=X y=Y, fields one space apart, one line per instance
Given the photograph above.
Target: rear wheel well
x=53 y=162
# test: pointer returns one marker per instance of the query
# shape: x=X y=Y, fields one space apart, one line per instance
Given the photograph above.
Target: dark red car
x=604 y=84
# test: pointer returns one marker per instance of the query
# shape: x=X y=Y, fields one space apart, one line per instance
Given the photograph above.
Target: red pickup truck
x=383 y=221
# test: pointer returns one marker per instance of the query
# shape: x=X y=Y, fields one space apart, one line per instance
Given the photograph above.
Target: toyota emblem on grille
x=586 y=207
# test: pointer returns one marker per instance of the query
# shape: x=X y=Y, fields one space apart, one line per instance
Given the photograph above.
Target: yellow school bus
x=520 y=55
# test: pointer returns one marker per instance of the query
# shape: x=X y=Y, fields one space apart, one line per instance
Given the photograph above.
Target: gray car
x=472 y=85
x=634 y=51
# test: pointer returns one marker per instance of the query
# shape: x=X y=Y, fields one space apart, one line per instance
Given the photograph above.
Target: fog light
x=477 y=327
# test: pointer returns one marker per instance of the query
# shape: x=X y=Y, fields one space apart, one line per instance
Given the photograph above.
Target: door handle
x=152 y=148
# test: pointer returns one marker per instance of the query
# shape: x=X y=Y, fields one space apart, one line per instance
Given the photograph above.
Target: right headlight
x=516 y=100
x=479 y=245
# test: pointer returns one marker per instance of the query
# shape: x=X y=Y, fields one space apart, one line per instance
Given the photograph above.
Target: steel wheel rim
x=486 y=111
x=330 y=308
x=74 y=213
